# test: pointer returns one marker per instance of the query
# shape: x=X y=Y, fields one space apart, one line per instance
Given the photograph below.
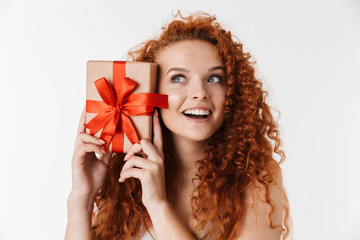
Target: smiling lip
x=197 y=120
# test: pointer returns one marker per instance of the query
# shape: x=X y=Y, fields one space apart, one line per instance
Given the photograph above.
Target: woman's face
x=193 y=77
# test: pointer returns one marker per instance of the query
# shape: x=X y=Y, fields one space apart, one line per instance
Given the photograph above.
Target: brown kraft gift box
x=144 y=74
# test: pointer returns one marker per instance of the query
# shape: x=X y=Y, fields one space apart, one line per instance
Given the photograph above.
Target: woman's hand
x=88 y=171
x=149 y=169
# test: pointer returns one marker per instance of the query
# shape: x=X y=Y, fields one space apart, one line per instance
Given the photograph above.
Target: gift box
x=120 y=99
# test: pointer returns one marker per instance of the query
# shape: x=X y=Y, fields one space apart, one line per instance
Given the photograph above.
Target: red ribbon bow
x=117 y=106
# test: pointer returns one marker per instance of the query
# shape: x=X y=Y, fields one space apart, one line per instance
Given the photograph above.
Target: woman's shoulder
x=263 y=209
x=261 y=190
x=146 y=236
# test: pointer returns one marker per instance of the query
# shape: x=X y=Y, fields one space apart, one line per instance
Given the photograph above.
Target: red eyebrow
x=216 y=68
x=178 y=69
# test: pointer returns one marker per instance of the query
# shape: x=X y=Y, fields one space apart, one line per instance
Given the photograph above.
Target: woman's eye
x=215 y=79
x=178 y=79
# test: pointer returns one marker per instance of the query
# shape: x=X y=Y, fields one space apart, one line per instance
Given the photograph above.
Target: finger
x=137 y=162
x=150 y=150
x=132 y=172
x=135 y=148
x=157 y=138
x=87 y=138
x=87 y=148
x=81 y=127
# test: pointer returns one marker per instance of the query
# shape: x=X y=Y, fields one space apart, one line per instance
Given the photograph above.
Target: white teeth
x=197 y=112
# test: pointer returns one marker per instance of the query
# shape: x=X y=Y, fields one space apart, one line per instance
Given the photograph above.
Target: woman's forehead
x=189 y=53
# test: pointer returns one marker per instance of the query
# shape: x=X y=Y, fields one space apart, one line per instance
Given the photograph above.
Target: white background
x=307 y=53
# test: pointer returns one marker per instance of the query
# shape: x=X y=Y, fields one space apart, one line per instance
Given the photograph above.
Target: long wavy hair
x=244 y=151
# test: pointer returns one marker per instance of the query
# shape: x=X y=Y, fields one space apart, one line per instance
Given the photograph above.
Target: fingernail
x=126 y=157
x=101 y=141
x=156 y=113
x=103 y=150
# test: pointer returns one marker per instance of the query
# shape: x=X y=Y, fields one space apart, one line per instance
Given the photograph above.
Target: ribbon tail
x=95 y=106
x=96 y=123
x=129 y=129
x=104 y=119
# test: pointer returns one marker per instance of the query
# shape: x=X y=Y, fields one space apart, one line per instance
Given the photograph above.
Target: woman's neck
x=180 y=185
x=187 y=152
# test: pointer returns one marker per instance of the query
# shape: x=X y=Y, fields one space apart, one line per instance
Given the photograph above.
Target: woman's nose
x=199 y=91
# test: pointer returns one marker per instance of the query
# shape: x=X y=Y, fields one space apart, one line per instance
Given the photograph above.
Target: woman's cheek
x=174 y=100
x=170 y=116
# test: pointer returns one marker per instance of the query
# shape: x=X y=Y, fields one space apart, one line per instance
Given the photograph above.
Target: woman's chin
x=196 y=138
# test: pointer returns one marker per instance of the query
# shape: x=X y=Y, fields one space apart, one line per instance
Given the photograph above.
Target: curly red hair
x=239 y=154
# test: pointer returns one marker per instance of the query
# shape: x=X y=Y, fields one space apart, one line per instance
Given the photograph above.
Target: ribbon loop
x=105 y=91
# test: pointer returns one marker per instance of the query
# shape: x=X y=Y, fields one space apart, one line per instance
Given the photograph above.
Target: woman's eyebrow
x=177 y=69
x=216 y=68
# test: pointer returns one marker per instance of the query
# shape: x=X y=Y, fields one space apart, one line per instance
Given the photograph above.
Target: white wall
x=307 y=53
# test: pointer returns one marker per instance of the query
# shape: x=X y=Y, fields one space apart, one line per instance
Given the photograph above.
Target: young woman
x=210 y=170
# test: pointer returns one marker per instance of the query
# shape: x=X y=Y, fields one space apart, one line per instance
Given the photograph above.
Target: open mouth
x=197 y=113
